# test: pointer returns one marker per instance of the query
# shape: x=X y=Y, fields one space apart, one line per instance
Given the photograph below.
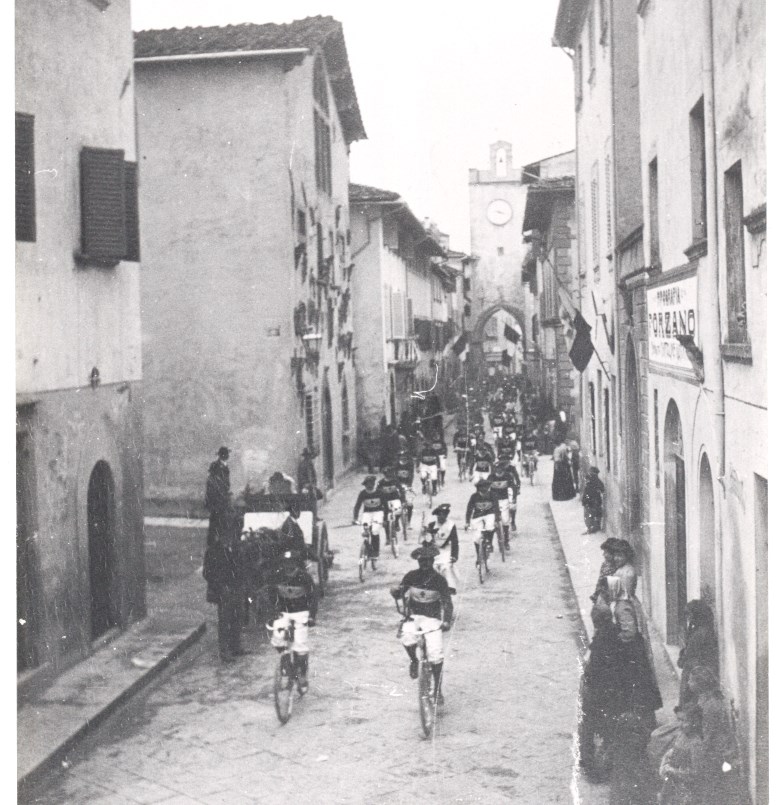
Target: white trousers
x=301 y=631
x=421 y=624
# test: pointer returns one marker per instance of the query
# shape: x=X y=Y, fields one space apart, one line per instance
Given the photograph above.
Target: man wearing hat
x=291 y=534
x=374 y=514
x=593 y=501
x=429 y=465
x=447 y=534
x=503 y=489
x=292 y=595
x=483 y=461
x=305 y=472
x=393 y=498
x=218 y=496
x=429 y=611
x=482 y=510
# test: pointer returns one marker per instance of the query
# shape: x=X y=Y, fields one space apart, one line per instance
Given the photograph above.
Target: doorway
x=761 y=619
x=101 y=517
x=675 y=525
x=328 y=443
x=633 y=446
x=706 y=535
x=27 y=587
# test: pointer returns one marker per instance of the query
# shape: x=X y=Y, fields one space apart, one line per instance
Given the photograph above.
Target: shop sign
x=672 y=310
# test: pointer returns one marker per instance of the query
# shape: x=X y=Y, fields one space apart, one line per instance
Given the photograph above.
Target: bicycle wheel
x=362 y=562
x=284 y=688
x=501 y=544
x=485 y=553
x=479 y=567
x=425 y=698
x=404 y=524
x=394 y=538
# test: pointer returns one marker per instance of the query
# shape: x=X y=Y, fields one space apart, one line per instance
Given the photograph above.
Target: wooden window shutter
x=103 y=230
x=131 y=212
x=25 y=177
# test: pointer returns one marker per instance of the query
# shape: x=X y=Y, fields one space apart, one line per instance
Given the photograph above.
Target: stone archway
x=482 y=320
x=675 y=524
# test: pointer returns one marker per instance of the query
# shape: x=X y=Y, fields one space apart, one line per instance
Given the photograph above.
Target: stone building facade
x=244 y=133
x=689 y=474
x=79 y=480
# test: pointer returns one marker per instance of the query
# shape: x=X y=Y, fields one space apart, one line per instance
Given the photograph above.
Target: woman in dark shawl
x=562 y=479
x=700 y=647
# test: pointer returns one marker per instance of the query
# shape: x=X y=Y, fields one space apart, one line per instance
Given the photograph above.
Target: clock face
x=499 y=212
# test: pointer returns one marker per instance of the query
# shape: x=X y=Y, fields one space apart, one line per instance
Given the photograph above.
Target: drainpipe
x=712 y=291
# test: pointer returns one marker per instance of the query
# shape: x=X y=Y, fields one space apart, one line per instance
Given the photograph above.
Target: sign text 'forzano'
x=672 y=310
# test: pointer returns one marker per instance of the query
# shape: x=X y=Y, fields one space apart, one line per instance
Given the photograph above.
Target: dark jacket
x=292 y=537
x=305 y=474
x=217 y=489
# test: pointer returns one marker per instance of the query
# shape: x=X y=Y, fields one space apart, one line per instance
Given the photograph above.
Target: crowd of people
x=691 y=760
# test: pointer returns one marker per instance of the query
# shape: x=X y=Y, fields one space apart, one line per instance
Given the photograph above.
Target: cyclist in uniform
x=429 y=611
x=483 y=463
x=374 y=512
x=497 y=423
x=504 y=491
x=438 y=444
x=393 y=498
x=405 y=473
x=461 y=447
x=482 y=510
x=429 y=465
x=530 y=444
x=447 y=536
x=292 y=594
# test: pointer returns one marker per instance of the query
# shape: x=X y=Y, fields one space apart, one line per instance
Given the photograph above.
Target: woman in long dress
x=562 y=479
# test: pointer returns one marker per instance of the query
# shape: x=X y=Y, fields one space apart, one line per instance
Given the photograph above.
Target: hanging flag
x=582 y=349
x=506 y=358
x=461 y=347
x=510 y=334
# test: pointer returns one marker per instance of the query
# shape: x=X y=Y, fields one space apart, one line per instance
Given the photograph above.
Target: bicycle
x=427 y=487
x=483 y=549
x=394 y=518
x=409 y=497
x=365 y=554
x=427 y=704
x=529 y=465
x=286 y=677
x=501 y=540
x=462 y=463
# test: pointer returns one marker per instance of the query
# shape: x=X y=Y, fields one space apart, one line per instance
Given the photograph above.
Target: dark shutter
x=25 y=177
x=103 y=231
x=131 y=212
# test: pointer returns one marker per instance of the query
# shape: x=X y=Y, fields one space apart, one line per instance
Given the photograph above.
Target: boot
x=412 y=651
x=301 y=669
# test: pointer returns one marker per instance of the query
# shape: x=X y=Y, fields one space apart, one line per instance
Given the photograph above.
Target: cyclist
x=429 y=465
x=503 y=489
x=429 y=611
x=373 y=516
x=497 y=421
x=405 y=472
x=447 y=534
x=483 y=463
x=483 y=510
x=438 y=444
x=293 y=598
x=393 y=499
x=530 y=444
x=461 y=447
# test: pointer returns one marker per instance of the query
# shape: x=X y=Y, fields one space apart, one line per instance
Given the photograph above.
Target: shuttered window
x=25 y=177
x=734 y=248
x=131 y=212
x=103 y=222
x=398 y=315
x=387 y=322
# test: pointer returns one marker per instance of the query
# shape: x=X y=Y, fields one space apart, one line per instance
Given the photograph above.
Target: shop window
x=698 y=170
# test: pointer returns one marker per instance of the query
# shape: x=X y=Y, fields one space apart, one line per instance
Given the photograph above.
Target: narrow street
x=206 y=733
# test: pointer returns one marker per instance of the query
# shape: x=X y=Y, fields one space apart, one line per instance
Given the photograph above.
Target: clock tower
x=496 y=206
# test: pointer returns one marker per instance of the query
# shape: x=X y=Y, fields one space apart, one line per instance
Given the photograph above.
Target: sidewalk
x=583 y=559
x=52 y=720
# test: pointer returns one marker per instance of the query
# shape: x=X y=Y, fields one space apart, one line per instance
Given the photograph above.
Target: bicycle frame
x=286 y=676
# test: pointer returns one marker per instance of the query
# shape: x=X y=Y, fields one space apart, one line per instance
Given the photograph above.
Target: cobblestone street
x=206 y=733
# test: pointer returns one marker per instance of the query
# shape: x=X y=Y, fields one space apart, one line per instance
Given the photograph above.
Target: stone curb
x=58 y=753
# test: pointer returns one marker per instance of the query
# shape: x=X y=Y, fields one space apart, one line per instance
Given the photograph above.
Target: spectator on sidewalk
x=607 y=569
x=562 y=482
x=305 y=472
x=218 y=496
x=722 y=782
x=631 y=781
x=681 y=767
x=573 y=445
x=593 y=501
x=700 y=645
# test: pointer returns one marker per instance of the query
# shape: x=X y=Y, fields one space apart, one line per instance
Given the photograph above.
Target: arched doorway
x=328 y=444
x=706 y=520
x=498 y=342
x=101 y=518
x=675 y=524
x=633 y=445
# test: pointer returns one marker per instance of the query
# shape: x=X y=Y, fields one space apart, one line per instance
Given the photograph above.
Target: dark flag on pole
x=582 y=349
x=510 y=334
x=506 y=358
x=461 y=347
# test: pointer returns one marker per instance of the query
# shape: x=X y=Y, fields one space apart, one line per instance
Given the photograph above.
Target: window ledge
x=85 y=260
x=740 y=353
x=698 y=248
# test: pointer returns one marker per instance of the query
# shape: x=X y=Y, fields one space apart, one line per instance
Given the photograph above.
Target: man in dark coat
x=593 y=501
x=218 y=496
x=305 y=472
x=291 y=537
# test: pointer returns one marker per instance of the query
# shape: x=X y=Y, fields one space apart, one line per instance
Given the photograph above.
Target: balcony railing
x=404 y=351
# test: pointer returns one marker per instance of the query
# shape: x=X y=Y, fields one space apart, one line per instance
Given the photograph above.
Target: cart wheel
x=321 y=578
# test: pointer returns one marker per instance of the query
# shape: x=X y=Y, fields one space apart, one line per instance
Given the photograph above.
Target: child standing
x=682 y=765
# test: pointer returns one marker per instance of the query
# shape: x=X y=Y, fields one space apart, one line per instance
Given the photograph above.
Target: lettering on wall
x=672 y=310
